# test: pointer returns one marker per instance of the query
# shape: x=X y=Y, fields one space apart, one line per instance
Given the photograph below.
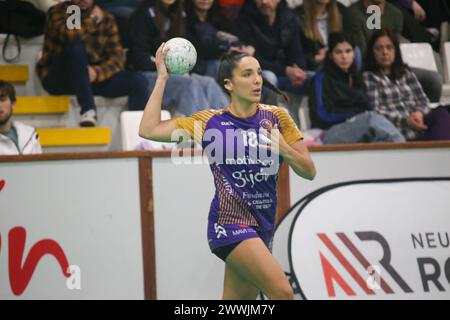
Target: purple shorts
x=228 y=236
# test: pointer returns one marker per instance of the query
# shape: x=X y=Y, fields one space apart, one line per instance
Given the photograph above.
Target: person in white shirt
x=15 y=137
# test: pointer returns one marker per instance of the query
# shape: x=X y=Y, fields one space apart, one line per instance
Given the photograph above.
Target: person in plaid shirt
x=355 y=23
x=395 y=92
x=87 y=61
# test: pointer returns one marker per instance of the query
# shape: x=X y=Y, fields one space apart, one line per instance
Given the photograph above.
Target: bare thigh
x=251 y=267
x=236 y=287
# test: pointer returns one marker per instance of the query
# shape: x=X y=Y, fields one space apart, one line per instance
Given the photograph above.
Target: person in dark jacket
x=338 y=103
x=273 y=30
x=413 y=29
x=122 y=11
x=317 y=20
x=212 y=35
x=429 y=13
x=157 y=21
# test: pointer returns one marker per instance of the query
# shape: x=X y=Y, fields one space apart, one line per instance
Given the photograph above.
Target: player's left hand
x=273 y=140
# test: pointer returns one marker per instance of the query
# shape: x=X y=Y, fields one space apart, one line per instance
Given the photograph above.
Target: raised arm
x=151 y=126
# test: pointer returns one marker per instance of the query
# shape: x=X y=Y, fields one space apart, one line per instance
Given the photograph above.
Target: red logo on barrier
x=332 y=275
x=20 y=275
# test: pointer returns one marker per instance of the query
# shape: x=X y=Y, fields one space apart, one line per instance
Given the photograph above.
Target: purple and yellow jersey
x=245 y=193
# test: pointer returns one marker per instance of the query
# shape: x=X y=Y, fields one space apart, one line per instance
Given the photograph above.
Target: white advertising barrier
x=81 y=215
x=185 y=266
x=385 y=239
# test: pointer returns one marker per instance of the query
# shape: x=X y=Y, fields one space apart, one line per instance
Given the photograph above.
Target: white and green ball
x=181 y=57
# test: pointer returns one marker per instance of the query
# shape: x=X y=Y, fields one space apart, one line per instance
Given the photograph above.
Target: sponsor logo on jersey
x=266 y=124
x=220 y=231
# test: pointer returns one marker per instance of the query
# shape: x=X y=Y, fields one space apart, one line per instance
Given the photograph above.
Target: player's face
x=6 y=107
x=267 y=7
x=384 y=52
x=203 y=5
x=247 y=80
x=343 y=55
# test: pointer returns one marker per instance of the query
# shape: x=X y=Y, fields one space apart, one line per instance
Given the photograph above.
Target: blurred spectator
x=413 y=29
x=87 y=61
x=152 y=23
x=121 y=10
x=274 y=31
x=294 y=4
x=317 y=20
x=392 y=19
x=212 y=35
x=356 y=24
x=395 y=92
x=430 y=13
x=15 y=137
x=338 y=103
x=44 y=5
x=231 y=8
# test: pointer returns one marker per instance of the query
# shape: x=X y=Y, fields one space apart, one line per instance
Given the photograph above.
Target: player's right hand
x=161 y=68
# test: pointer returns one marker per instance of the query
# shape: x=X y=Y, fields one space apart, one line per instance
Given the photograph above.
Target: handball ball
x=181 y=57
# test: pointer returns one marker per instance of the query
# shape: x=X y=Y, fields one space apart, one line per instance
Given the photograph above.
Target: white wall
x=336 y=167
x=185 y=267
x=91 y=209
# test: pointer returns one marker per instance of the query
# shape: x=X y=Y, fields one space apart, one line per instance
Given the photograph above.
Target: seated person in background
x=15 y=137
x=121 y=10
x=338 y=103
x=87 y=61
x=211 y=34
x=356 y=24
x=154 y=22
x=395 y=92
x=273 y=30
x=429 y=13
x=413 y=30
x=317 y=20
x=231 y=8
x=43 y=5
x=391 y=18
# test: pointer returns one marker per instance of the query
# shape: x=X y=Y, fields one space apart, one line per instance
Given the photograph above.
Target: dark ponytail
x=228 y=63
x=269 y=85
